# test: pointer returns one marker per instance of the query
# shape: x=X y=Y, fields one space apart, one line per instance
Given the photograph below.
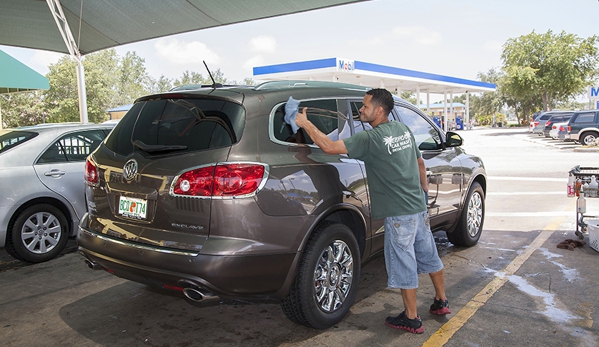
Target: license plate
x=132 y=208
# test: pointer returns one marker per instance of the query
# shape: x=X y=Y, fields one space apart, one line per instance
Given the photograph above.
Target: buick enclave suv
x=210 y=192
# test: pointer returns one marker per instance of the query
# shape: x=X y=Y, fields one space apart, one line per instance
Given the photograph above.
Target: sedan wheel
x=39 y=234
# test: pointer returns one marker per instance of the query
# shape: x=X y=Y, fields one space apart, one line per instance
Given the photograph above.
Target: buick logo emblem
x=130 y=170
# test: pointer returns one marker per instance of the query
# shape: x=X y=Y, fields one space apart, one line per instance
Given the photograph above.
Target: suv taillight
x=569 y=128
x=91 y=173
x=536 y=123
x=225 y=180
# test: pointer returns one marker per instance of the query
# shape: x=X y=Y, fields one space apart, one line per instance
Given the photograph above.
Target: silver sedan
x=42 y=186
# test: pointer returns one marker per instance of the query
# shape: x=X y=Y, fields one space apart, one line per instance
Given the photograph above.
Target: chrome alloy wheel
x=475 y=214
x=333 y=276
x=41 y=232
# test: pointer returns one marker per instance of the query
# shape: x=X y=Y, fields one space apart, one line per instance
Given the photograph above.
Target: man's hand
x=320 y=139
x=301 y=119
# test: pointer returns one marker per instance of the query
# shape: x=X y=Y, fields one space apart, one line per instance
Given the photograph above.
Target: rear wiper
x=157 y=148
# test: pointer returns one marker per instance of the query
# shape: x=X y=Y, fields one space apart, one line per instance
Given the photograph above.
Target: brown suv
x=209 y=192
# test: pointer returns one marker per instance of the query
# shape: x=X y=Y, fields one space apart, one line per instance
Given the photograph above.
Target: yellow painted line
x=441 y=336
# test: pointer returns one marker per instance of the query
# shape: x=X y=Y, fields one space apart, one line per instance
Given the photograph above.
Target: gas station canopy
x=372 y=75
x=99 y=24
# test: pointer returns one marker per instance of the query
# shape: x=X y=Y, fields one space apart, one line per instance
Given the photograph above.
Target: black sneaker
x=440 y=307
x=404 y=323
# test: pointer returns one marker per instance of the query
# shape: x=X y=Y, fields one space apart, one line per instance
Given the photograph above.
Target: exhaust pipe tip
x=92 y=265
x=193 y=294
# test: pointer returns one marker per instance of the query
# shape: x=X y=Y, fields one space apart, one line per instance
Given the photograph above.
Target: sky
x=457 y=38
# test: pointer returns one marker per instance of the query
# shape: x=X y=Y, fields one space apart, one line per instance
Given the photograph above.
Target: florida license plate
x=132 y=207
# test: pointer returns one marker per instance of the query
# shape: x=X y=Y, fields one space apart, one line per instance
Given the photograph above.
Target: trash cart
x=584 y=188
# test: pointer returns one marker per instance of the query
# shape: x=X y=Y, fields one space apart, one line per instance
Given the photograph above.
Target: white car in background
x=42 y=185
x=559 y=131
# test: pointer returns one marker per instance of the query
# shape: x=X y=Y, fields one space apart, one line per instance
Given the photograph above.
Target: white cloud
x=185 y=53
x=418 y=34
x=41 y=60
x=263 y=44
x=254 y=61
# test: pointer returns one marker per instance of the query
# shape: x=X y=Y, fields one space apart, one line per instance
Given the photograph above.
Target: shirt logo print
x=397 y=143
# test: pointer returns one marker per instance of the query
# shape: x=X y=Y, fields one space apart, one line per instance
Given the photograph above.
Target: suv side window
x=426 y=135
x=357 y=124
x=323 y=113
x=73 y=147
x=588 y=117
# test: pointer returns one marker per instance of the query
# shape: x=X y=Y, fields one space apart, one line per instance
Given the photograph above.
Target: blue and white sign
x=345 y=65
x=594 y=92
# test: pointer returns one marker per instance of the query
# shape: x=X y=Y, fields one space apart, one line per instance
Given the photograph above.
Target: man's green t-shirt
x=391 y=157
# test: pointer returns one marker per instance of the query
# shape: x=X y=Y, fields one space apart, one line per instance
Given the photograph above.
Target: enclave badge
x=130 y=170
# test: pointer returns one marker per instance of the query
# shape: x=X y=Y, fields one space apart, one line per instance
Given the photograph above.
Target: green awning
x=18 y=77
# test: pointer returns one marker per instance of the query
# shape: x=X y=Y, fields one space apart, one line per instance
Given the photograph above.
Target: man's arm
x=320 y=139
x=422 y=171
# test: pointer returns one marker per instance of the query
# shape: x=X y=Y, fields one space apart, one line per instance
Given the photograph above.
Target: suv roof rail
x=307 y=84
x=200 y=86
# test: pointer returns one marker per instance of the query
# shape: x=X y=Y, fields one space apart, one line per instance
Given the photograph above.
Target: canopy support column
x=445 y=120
x=67 y=36
x=468 y=108
x=428 y=103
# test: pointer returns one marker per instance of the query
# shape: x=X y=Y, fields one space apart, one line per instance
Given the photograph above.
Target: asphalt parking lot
x=514 y=288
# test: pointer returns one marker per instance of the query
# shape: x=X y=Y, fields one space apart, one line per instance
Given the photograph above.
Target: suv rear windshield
x=10 y=139
x=182 y=125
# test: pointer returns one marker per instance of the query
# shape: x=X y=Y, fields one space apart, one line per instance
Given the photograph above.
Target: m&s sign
x=594 y=92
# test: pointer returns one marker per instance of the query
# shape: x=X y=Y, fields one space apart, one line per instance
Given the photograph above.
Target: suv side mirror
x=453 y=139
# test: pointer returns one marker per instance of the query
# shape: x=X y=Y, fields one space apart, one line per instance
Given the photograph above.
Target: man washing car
x=389 y=151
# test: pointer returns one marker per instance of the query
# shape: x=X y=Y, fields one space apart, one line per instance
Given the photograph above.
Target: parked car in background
x=210 y=192
x=584 y=126
x=42 y=187
x=539 y=123
x=531 y=123
x=559 y=131
x=556 y=118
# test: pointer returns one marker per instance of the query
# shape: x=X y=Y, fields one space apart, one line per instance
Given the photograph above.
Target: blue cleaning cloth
x=291 y=109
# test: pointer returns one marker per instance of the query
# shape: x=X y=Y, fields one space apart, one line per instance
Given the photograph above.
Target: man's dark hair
x=382 y=97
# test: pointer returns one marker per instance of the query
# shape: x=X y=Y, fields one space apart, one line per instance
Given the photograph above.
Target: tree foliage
x=110 y=81
x=483 y=107
x=19 y=109
x=539 y=72
x=542 y=70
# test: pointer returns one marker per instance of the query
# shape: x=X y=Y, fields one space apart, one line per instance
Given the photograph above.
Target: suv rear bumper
x=227 y=276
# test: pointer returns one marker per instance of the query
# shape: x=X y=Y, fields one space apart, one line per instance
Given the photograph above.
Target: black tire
x=39 y=234
x=588 y=137
x=472 y=218
x=327 y=280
